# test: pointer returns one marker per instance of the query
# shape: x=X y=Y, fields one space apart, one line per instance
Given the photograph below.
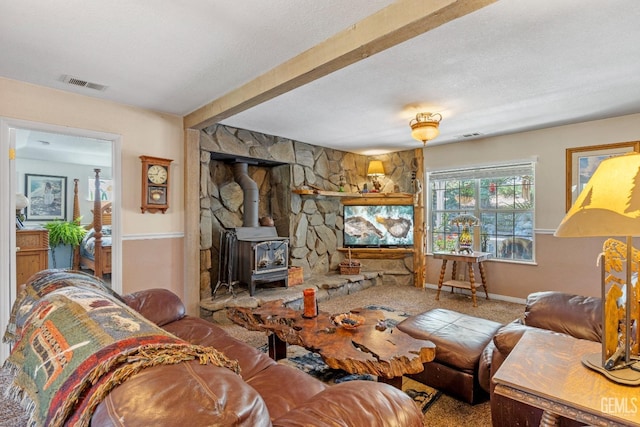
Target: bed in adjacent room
x=94 y=253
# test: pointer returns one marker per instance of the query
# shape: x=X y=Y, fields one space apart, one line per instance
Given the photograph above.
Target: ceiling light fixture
x=425 y=126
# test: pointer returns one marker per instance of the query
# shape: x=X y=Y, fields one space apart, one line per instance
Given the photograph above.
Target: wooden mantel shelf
x=385 y=195
x=380 y=197
x=378 y=253
x=305 y=192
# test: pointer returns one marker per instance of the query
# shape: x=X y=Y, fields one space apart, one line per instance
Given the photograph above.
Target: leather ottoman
x=460 y=340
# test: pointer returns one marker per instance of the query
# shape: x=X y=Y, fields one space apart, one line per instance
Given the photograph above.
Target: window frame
x=476 y=174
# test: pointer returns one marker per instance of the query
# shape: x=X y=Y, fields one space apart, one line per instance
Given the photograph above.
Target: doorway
x=56 y=151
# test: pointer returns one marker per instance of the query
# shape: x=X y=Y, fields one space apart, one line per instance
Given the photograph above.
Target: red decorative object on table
x=310 y=303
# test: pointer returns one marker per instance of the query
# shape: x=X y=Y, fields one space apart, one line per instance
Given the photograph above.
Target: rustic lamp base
x=625 y=376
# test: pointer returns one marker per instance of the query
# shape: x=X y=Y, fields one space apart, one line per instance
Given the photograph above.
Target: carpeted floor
x=444 y=412
x=11 y=414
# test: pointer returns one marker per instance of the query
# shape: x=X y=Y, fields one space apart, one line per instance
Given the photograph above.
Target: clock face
x=157 y=174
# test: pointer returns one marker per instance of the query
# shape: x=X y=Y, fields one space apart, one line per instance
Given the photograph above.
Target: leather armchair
x=548 y=312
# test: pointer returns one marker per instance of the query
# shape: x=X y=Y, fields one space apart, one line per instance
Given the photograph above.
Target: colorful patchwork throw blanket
x=74 y=344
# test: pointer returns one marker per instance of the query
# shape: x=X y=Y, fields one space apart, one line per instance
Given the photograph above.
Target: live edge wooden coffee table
x=388 y=354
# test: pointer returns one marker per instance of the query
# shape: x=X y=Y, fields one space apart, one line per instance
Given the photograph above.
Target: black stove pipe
x=251 y=194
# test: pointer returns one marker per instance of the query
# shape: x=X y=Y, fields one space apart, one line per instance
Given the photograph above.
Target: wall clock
x=155 y=184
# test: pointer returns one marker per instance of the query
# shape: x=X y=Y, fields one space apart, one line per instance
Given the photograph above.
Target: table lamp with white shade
x=21 y=202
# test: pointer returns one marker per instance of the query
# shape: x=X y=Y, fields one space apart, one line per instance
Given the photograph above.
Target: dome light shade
x=425 y=126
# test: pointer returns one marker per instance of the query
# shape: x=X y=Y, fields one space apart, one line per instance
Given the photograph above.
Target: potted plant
x=62 y=233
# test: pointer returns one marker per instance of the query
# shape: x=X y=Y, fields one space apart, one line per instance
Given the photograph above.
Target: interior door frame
x=7 y=213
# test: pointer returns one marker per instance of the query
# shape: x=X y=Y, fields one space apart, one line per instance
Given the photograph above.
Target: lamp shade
x=609 y=205
x=21 y=201
x=375 y=168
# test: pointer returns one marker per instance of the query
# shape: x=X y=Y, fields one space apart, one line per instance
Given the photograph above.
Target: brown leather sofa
x=547 y=312
x=266 y=393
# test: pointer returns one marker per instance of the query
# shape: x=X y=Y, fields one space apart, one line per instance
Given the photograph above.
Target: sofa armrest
x=355 y=403
x=184 y=394
x=484 y=366
x=506 y=339
x=160 y=306
x=508 y=336
x=578 y=316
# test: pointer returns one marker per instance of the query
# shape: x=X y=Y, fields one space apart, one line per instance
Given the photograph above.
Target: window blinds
x=484 y=172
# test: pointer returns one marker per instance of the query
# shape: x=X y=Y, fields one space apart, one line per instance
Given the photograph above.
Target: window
x=501 y=197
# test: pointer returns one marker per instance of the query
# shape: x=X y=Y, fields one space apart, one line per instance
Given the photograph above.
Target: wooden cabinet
x=32 y=253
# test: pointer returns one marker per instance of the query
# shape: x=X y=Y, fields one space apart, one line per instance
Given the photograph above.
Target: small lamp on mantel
x=375 y=170
x=609 y=205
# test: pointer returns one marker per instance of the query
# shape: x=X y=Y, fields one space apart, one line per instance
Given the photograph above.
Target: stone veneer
x=312 y=223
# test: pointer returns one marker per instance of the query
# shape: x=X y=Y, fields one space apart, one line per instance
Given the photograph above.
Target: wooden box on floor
x=296 y=276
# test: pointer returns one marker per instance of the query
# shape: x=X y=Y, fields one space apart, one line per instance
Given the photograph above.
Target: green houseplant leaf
x=64 y=233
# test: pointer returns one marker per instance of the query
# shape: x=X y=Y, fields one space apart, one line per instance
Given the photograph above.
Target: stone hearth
x=313 y=224
x=327 y=286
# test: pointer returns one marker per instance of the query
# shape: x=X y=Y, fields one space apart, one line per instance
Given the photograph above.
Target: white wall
x=142 y=132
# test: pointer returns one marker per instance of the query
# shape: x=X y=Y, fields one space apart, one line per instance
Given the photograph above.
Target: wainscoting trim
x=176 y=235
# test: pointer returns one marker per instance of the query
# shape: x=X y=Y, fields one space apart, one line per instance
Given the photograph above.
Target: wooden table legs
x=277 y=347
x=483 y=278
x=395 y=381
x=471 y=284
x=549 y=419
x=443 y=270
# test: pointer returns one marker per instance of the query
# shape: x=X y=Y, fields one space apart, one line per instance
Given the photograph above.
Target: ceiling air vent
x=82 y=83
x=472 y=135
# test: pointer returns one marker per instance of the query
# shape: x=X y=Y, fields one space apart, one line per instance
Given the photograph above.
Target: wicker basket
x=345 y=268
x=350 y=266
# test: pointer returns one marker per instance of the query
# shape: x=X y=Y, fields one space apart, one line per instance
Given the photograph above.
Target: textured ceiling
x=511 y=66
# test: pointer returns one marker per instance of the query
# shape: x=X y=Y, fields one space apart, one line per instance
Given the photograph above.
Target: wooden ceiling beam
x=389 y=27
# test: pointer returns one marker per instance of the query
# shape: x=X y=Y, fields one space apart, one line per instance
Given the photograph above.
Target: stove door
x=271 y=255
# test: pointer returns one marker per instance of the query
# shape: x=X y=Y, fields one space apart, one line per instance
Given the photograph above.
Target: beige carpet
x=11 y=413
x=446 y=411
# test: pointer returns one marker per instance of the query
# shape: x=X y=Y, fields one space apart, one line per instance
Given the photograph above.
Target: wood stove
x=255 y=254
x=263 y=257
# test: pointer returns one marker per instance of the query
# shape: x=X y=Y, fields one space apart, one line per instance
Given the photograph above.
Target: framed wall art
x=106 y=189
x=583 y=161
x=47 y=196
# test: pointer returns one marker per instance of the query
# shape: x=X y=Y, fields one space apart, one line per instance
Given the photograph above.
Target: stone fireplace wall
x=312 y=223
